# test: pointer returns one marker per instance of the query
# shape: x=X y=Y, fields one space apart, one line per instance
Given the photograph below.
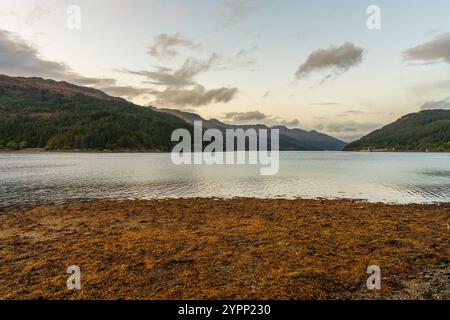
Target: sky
x=315 y=65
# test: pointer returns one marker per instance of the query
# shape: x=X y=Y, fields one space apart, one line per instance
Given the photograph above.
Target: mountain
x=189 y=117
x=427 y=130
x=290 y=139
x=41 y=113
x=313 y=138
x=38 y=113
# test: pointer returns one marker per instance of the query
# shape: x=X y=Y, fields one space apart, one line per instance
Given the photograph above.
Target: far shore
x=41 y=150
x=240 y=248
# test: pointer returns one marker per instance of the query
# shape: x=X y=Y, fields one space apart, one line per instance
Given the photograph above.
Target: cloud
x=193 y=67
x=338 y=59
x=245 y=116
x=435 y=105
x=36 y=14
x=184 y=76
x=293 y=123
x=326 y=104
x=181 y=89
x=127 y=92
x=436 y=50
x=243 y=59
x=195 y=97
x=18 y=58
x=165 y=45
x=235 y=11
x=348 y=130
x=351 y=126
x=259 y=117
x=350 y=113
x=88 y=81
x=438 y=86
x=161 y=78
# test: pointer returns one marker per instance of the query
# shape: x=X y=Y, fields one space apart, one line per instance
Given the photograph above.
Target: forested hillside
x=423 y=131
x=37 y=113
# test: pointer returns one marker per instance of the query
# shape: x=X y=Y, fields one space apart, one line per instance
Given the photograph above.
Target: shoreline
x=241 y=248
x=5 y=209
x=42 y=150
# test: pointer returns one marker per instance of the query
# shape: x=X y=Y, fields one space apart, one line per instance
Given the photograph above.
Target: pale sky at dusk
x=308 y=64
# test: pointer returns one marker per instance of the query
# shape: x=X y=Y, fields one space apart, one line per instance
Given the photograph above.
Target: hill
x=38 y=113
x=21 y=85
x=427 y=130
x=290 y=139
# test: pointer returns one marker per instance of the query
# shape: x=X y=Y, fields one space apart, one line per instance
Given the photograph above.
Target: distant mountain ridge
x=290 y=139
x=428 y=130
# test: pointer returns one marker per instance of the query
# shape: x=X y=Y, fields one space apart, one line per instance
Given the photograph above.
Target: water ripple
x=401 y=178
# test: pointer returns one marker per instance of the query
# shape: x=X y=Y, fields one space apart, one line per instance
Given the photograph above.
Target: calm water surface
x=30 y=178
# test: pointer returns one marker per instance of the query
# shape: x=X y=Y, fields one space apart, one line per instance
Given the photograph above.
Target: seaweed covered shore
x=225 y=249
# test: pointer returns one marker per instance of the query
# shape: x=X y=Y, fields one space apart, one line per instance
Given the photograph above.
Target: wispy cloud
x=244 y=58
x=348 y=130
x=437 y=86
x=183 y=76
x=235 y=11
x=195 y=97
x=326 y=104
x=192 y=67
x=37 y=14
x=180 y=88
x=351 y=113
x=127 y=92
x=167 y=45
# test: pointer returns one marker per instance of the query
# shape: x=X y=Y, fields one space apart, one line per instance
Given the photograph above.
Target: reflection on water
x=438 y=173
x=28 y=178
